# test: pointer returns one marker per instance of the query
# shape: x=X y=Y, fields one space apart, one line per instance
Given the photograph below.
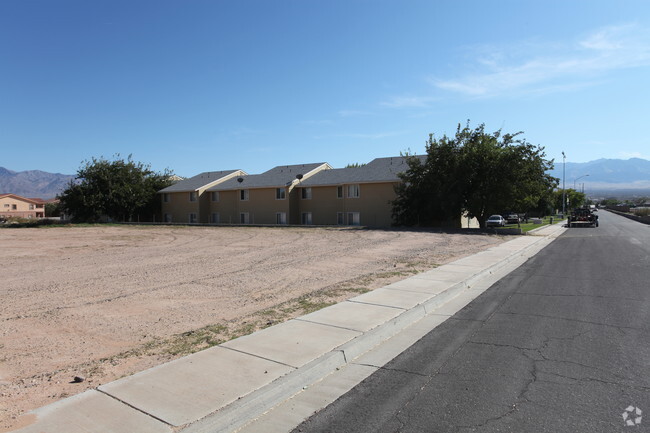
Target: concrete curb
x=255 y=404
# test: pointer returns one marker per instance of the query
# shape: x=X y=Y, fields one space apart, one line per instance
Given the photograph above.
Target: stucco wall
x=22 y=208
x=373 y=204
x=179 y=206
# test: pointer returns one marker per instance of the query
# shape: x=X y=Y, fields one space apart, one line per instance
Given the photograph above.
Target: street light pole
x=563 y=184
x=578 y=178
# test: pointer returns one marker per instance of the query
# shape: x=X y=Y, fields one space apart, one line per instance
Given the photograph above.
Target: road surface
x=562 y=344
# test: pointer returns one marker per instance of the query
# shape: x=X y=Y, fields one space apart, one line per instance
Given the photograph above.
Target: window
x=280 y=193
x=192 y=195
x=31 y=207
x=7 y=204
x=340 y=218
x=168 y=217
x=192 y=218
x=306 y=218
x=306 y=193
x=243 y=217
x=214 y=195
x=214 y=218
x=339 y=191
x=243 y=194
x=165 y=198
x=281 y=218
x=353 y=219
x=353 y=191
x=14 y=207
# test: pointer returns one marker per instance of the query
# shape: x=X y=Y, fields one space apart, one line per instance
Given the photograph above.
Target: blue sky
x=211 y=85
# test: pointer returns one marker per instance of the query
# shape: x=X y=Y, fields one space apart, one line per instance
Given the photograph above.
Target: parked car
x=495 y=221
x=513 y=218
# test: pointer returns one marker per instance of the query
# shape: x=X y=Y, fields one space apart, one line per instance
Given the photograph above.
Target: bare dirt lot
x=103 y=302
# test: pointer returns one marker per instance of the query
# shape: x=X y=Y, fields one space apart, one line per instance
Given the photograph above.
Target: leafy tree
x=476 y=172
x=574 y=199
x=52 y=209
x=123 y=190
x=431 y=191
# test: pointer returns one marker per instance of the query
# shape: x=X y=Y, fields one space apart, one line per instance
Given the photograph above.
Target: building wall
x=227 y=207
x=261 y=206
x=179 y=206
x=373 y=204
x=15 y=207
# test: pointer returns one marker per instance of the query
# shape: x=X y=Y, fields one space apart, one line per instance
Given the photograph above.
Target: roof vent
x=240 y=179
x=299 y=176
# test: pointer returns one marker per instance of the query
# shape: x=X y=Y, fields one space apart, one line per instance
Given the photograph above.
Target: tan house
x=267 y=198
x=352 y=196
x=12 y=205
x=187 y=202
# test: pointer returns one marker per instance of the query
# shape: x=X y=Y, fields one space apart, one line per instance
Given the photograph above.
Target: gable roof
x=199 y=181
x=377 y=170
x=282 y=175
x=28 y=200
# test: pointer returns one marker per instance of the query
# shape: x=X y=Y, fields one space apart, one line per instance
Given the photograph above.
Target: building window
x=281 y=218
x=306 y=193
x=165 y=198
x=192 y=195
x=192 y=218
x=243 y=194
x=340 y=218
x=14 y=207
x=280 y=193
x=305 y=218
x=214 y=195
x=31 y=207
x=7 y=204
x=353 y=191
x=354 y=219
x=339 y=191
x=214 y=218
x=168 y=217
x=243 y=217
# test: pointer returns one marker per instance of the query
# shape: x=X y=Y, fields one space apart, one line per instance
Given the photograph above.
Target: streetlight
x=563 y=183
x=576 y=179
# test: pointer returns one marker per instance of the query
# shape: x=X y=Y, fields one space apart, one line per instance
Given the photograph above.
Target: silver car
x=495 y=221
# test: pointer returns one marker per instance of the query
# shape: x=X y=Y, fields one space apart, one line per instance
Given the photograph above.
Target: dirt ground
x=102 y=302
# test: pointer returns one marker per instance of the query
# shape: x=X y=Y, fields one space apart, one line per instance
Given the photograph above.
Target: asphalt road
x=561 y=344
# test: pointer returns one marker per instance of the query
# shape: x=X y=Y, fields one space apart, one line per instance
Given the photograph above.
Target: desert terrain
x=102 y=302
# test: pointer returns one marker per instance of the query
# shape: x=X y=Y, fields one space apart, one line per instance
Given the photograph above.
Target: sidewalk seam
x=134 y=407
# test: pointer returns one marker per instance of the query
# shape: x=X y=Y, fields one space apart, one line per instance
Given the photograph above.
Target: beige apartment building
x=12 y=205
x=301 y=194
x=267 y=198
x=352 y=196
x=187 y=202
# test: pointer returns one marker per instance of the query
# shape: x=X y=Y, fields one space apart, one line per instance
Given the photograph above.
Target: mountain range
x=33 y=183
x=605 y=174
x=602 y=176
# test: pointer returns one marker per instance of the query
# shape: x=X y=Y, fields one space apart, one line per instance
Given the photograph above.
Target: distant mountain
x=33 y=183
x=606 y=174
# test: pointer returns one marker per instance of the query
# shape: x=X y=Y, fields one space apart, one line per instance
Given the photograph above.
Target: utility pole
x=563 y=184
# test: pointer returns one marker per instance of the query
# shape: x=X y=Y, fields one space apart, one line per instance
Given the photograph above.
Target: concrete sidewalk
x=272 y=380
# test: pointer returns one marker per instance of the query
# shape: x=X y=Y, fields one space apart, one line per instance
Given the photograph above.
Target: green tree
x=476 y=172
x=431 y=191
x=573 y=199
x=123 y=190
x=52 y=209
x=506 y=173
